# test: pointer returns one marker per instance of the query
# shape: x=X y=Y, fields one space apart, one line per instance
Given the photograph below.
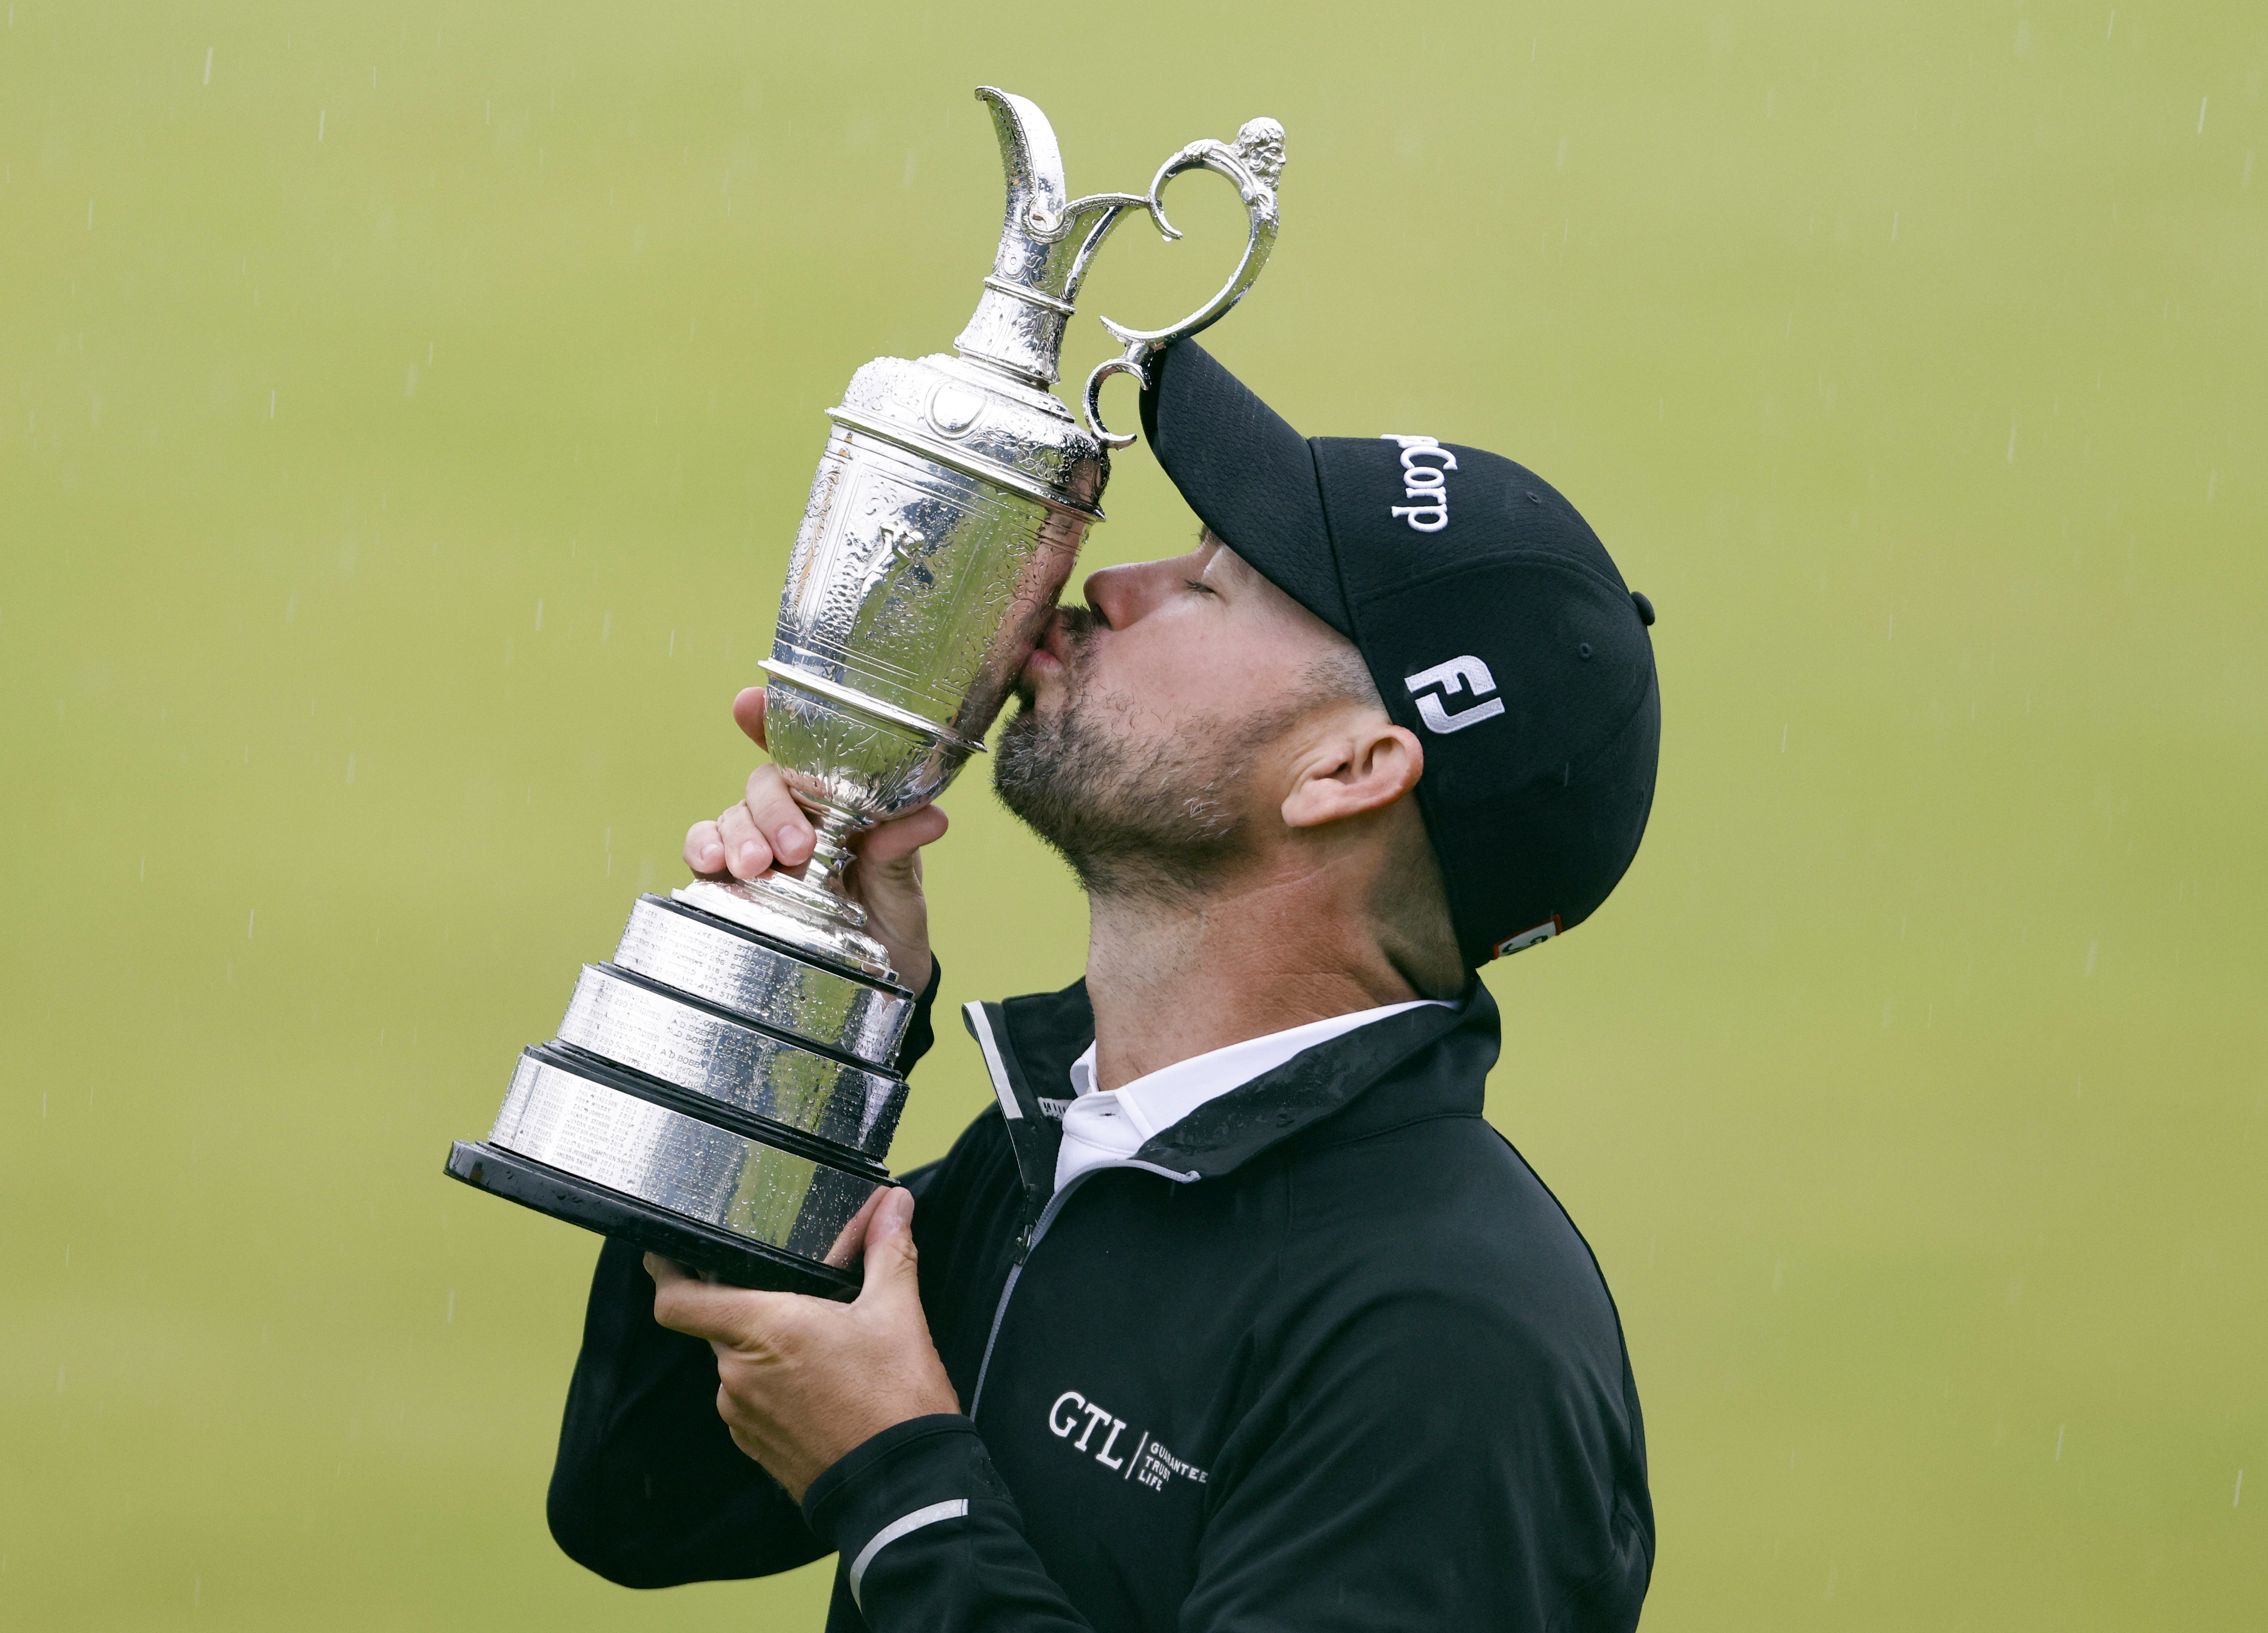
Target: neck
x=1252 y=954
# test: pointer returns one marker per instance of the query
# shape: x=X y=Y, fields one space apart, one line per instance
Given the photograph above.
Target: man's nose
x=1123 y=594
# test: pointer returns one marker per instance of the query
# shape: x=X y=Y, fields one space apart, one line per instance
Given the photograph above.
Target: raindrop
x=2011 y=442
x=539 y=612
x=2239 y=1498
x=1894 y=227
x=209 y=51
x=251 y=919
x=321 y=119
x=2202 y=101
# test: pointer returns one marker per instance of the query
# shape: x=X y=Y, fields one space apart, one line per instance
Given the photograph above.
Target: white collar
x=1102 y=1126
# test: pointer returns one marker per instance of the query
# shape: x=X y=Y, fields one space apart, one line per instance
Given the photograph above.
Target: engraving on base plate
x=768 y=986
x=676 y=1162
x=738 y=1066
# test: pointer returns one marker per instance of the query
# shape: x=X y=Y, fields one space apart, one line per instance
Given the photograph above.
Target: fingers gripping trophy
x=726 y=1090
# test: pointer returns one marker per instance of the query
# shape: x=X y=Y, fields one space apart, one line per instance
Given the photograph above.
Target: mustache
x=1078 y=624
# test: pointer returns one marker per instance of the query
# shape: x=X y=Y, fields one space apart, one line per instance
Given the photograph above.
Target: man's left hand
x=802 y=1381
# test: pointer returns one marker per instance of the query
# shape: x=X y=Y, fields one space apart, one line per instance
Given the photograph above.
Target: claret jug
x=725 y=1090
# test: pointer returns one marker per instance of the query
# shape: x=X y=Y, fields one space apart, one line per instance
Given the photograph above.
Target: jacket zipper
x=1034 y=1230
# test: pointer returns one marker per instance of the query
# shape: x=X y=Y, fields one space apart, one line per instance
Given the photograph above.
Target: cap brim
x=1247 y=473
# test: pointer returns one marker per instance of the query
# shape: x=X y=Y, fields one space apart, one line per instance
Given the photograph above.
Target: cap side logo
x=1528 y=938
x=1424 y=482
x=1465 y=673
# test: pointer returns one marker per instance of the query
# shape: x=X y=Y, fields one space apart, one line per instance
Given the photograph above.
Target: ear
x=1366 y=763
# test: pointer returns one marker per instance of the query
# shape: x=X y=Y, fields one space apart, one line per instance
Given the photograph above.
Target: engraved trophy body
x=724 y=1091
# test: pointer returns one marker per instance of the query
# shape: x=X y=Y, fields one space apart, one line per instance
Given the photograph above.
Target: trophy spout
x=1047 y=239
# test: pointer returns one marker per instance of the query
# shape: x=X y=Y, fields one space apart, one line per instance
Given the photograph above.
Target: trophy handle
x=1254 y=163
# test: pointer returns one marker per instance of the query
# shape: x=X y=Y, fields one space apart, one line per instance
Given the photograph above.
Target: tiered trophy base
x=721 y=1253
x=712 y=1095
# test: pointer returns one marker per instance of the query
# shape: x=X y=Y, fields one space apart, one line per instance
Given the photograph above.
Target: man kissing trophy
x=724 y=1091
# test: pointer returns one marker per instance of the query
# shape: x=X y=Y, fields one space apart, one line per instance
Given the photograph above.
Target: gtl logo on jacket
x=1150 y=1464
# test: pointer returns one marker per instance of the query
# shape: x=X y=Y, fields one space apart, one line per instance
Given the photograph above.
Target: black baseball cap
x=1490 y=617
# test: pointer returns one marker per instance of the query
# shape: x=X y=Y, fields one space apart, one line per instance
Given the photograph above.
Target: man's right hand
x=766 y=829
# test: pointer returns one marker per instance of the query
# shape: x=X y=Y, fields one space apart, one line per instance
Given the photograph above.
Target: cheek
x=1173 y=672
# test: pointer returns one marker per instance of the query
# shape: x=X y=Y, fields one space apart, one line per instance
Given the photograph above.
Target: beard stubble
x=1159 y=819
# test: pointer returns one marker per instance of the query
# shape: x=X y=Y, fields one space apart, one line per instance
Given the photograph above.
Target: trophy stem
x=831 y=856
x=808 y=909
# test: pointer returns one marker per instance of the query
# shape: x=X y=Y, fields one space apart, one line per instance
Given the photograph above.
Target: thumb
x=748 y=714
x=891 y=1262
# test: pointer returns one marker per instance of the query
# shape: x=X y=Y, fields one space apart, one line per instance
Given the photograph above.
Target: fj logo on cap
x=1466 y=673
x=1424 y=482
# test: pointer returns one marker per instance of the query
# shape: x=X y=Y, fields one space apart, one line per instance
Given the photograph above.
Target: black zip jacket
x=1324 y=1355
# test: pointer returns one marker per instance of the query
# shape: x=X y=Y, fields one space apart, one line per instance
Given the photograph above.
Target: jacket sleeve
x=929 y=1537
x=1434 y=1462
x=1428 y=1466
x=649 y=1489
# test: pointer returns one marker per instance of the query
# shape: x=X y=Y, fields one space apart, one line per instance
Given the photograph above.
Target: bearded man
x=1233 y=1314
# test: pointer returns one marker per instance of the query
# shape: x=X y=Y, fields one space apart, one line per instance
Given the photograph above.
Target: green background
x=402 y=429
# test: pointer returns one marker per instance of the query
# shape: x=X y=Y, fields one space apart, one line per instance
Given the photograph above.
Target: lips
x=1053 y=650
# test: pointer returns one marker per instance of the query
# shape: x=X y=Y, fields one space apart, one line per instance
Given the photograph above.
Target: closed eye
x=1200 y=586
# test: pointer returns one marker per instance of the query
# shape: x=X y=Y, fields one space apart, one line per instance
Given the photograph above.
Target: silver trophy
x=724 y=1091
